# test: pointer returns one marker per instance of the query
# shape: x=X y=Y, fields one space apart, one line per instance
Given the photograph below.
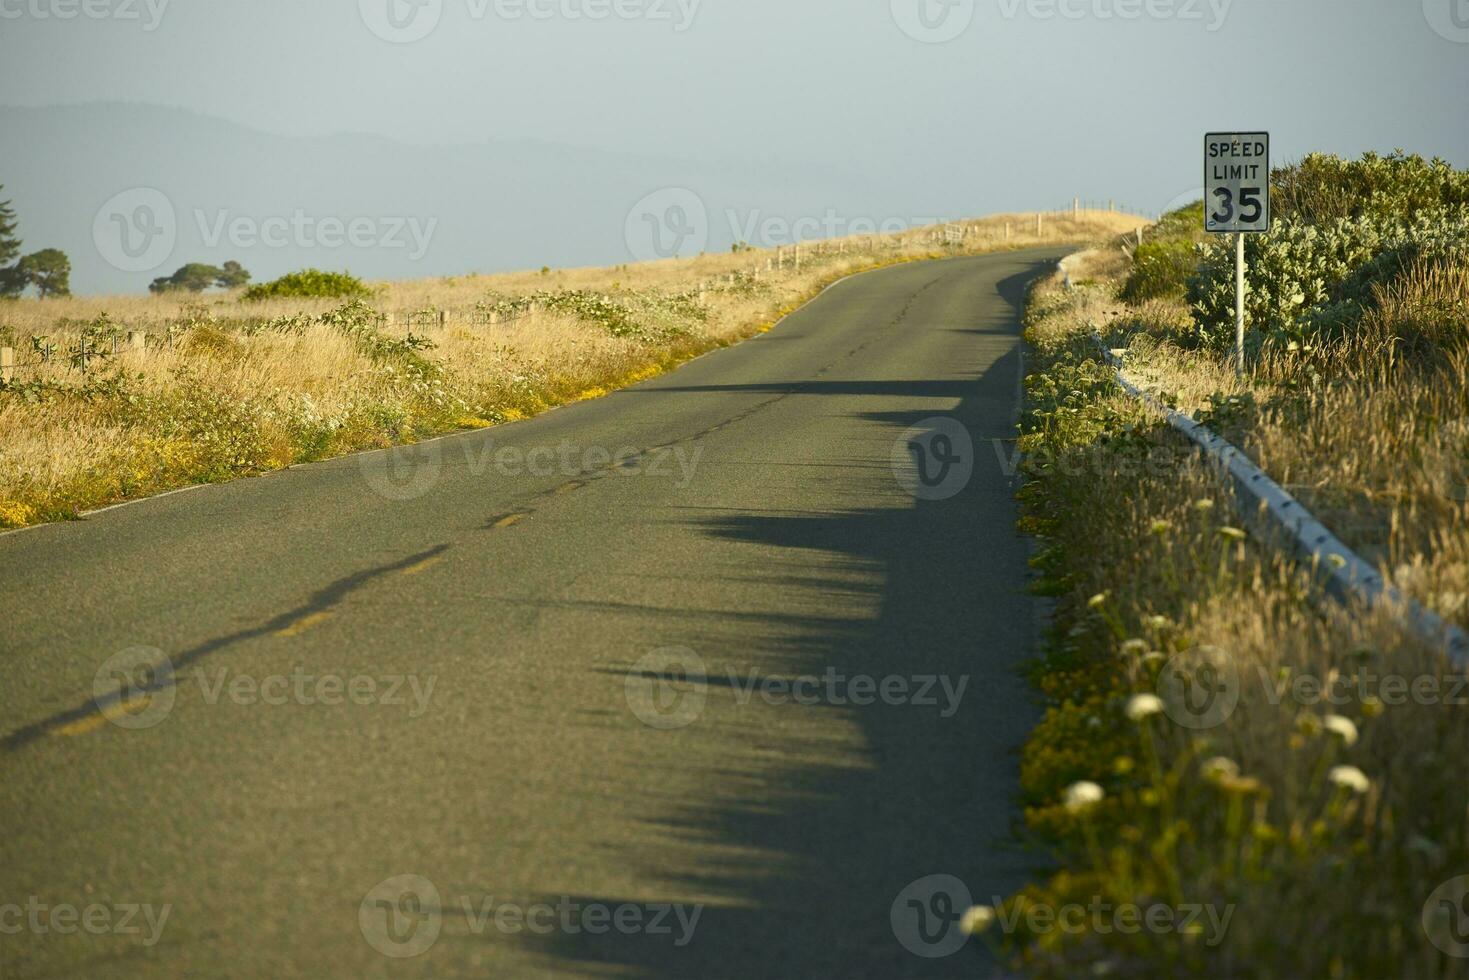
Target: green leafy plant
x=1324 y=188
x=309 y=284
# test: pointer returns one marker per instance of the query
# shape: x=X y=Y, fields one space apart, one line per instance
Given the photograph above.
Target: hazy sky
x=976 y=105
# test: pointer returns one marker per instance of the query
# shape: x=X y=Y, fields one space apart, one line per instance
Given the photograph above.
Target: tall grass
x=228 y=389
x=1325 y=811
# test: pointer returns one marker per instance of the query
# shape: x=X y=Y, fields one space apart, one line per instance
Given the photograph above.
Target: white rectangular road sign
x=1236 y=182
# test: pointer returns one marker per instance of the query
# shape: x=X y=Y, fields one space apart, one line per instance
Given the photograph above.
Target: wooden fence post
x=7 y=364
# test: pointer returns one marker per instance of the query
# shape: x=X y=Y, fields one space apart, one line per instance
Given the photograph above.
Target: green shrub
x=1161 y=269
x=1164 y=263
x=1183 y=224
x=1307 y=280
x=1323 y=188
x=1344 y=229
x=310 y=284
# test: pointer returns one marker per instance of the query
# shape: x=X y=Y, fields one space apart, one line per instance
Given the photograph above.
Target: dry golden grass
x=1250 y=811
x=222 y=392
x=1371 y=432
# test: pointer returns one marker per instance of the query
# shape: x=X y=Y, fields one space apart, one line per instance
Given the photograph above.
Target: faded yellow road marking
x=304 y=623
x=81 y=726
x=94 y=721
x=423 y=566
x=508 y=520
x=566 y=488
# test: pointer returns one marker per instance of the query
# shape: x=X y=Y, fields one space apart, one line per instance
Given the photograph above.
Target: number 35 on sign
x=1236 y=182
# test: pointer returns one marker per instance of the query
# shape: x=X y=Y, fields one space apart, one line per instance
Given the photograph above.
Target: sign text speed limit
x=1236 y=182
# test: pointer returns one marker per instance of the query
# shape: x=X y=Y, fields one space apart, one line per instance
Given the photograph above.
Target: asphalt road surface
x=703 y=678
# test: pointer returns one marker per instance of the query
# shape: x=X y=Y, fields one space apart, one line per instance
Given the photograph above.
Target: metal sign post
x=1237 y=202
x=1239 y=303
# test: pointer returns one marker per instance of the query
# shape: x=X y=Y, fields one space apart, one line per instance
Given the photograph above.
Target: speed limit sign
x=1237 y=202
x=1236 y=182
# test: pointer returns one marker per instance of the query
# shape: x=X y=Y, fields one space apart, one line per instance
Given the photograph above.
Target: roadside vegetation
x=316 y=364
x=1219 y=733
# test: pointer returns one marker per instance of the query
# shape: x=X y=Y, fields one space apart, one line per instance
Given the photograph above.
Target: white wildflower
x=1143 y=706
x=1349 y=777
x=1343 y=728
x=976 y=920
x=1082 y=795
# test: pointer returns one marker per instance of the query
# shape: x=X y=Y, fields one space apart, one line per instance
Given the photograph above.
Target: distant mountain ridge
x=100 y=180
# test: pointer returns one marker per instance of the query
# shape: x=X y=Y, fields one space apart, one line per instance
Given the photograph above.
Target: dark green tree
x=197 y=277
x=232 y=276
x=49 y=270
x=12 y=283
x=9 y=244
x=194 y=278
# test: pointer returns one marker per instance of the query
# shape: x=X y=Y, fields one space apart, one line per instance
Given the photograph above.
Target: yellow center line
x=423 y=566
x=569 y=487
x=81 y=726
x=510 y=519
x=104 y=714
x=304 y=623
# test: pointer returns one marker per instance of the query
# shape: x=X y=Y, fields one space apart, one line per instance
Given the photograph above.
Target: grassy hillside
x=227 y=387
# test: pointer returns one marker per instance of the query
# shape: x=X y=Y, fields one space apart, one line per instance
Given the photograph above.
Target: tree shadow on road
x=804 y=858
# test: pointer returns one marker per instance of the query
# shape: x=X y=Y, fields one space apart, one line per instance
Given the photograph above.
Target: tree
x=12 y=283
x=194 y=277
x=197 y=277
x=49 y=270
x=232 y=276
x=9 y=244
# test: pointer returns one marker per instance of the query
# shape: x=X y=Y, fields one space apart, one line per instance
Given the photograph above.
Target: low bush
x=1163 y=265
x=1305 y=279
x=310 y=284
x=1161 y=269
x=1323 y=188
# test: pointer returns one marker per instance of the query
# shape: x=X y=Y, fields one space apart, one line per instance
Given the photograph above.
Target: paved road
x=545 y=671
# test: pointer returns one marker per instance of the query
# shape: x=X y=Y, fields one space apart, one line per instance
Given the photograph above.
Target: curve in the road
x=453 y=662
